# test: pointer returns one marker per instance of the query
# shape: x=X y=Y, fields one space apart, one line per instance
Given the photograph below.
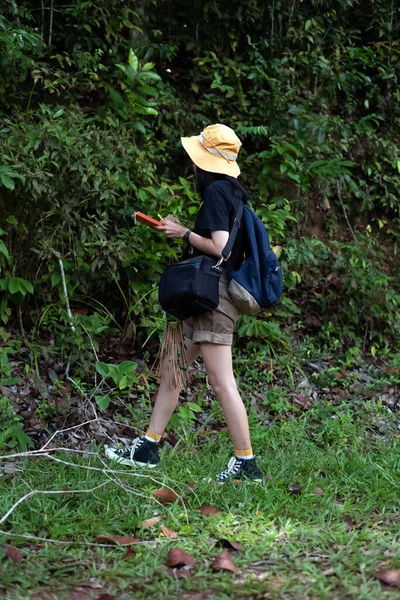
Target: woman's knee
x=222 y=384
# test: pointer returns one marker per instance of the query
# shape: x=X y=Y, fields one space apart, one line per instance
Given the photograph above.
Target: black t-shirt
x=217 y=213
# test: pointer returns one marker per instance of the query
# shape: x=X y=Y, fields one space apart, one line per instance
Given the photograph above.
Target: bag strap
x=237 y=223
x=233 y=233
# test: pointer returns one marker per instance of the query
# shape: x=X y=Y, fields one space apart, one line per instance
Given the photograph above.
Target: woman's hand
x=172 y=227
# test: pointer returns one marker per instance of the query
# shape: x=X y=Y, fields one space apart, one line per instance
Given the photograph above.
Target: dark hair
x=204 y=178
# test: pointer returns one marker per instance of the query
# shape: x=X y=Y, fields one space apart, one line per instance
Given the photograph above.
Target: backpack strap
x=237 y=223
x=233 y=233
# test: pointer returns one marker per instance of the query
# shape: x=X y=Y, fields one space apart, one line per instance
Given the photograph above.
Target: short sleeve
x=215 y=210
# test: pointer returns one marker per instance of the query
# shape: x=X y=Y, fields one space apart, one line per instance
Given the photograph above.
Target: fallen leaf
x=106 y=596
x=223 y=562
x=120 y=540
x=277 y=582
x=186 y=571
x=301 y=401
x=209 y=511
x=229 y=544
x=318 y=491
x=129 y=552
x=165 y=495
x=150 y=522
x=349 y=521
x=296 y=488
x=177 y=557
x=13 y=553
x=390 y=577
x=169 y=533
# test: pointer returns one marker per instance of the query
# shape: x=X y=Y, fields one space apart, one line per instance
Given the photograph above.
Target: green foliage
x=123 y=375
x=95 y=96
x=357 y=471
x=11 y=433
x=185 y=416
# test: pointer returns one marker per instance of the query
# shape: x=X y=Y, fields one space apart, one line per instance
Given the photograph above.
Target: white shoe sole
x=109 y=452
x=246 y=480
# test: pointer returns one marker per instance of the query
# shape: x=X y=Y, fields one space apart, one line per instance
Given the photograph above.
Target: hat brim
x=207 y=161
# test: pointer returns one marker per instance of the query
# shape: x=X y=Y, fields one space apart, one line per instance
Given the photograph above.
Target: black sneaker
x=241 y=468
x=142 y=453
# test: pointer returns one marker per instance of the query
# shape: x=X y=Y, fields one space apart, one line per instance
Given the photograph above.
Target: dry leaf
x=223 y=562
x=177 y=557
x=129 y=552
x=229 y=544
x=178 y=573
x=209 y=511
x=118 y=539
x=349 y=521
x=165 y=495
x=277 y=582
x=150 y=522
x=13 y=553
x=169 y=533
x=319 y=491
x=390 y=577
x=296 y=488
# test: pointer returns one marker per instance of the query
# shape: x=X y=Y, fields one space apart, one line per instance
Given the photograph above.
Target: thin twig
x=64 y=543
x=42 y=452
x=42 y=25
x=107 y=471
x=23 y=334
x=89 y=399
x=44 y=447
x=344 y=210
x=47 y=492
x=51 y=21
x=67 y=429
x=60 y=262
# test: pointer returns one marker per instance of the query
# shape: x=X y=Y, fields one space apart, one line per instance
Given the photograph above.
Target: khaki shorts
x=217 y=325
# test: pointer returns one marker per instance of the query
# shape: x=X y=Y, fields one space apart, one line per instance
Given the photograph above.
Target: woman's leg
x=218 y=360
x=167 y=397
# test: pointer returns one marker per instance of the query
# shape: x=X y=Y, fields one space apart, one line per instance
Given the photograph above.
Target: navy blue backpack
x=257 y=284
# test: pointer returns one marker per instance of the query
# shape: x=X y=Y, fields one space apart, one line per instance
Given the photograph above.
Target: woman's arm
x=213 y=246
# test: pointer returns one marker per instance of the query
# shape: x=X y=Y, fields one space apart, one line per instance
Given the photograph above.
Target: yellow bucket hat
x=215 y=149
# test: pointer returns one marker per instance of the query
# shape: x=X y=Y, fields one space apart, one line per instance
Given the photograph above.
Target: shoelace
x=135 y=445
x=234 y=466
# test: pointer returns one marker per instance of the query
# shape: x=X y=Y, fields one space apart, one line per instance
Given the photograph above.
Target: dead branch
x=48 y=492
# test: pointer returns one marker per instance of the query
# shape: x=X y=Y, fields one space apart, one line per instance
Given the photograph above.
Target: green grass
x=295 y=546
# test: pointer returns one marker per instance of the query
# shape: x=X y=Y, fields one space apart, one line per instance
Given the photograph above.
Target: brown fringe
x=172 y=359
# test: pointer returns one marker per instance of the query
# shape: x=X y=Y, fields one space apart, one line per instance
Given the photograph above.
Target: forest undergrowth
x=93 y=99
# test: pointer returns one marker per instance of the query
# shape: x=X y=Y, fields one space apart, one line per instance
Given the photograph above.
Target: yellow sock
x=246 y=454
x=152 y=437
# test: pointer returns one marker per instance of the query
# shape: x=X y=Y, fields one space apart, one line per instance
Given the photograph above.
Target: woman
x=214 y=155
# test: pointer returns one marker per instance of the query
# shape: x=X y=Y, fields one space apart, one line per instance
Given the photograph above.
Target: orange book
x=146 y=220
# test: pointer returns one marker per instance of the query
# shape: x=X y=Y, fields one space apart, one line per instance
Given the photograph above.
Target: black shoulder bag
x=191 y=287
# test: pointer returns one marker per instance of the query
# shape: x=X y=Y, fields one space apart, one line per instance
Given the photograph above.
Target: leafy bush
x=95 y=96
